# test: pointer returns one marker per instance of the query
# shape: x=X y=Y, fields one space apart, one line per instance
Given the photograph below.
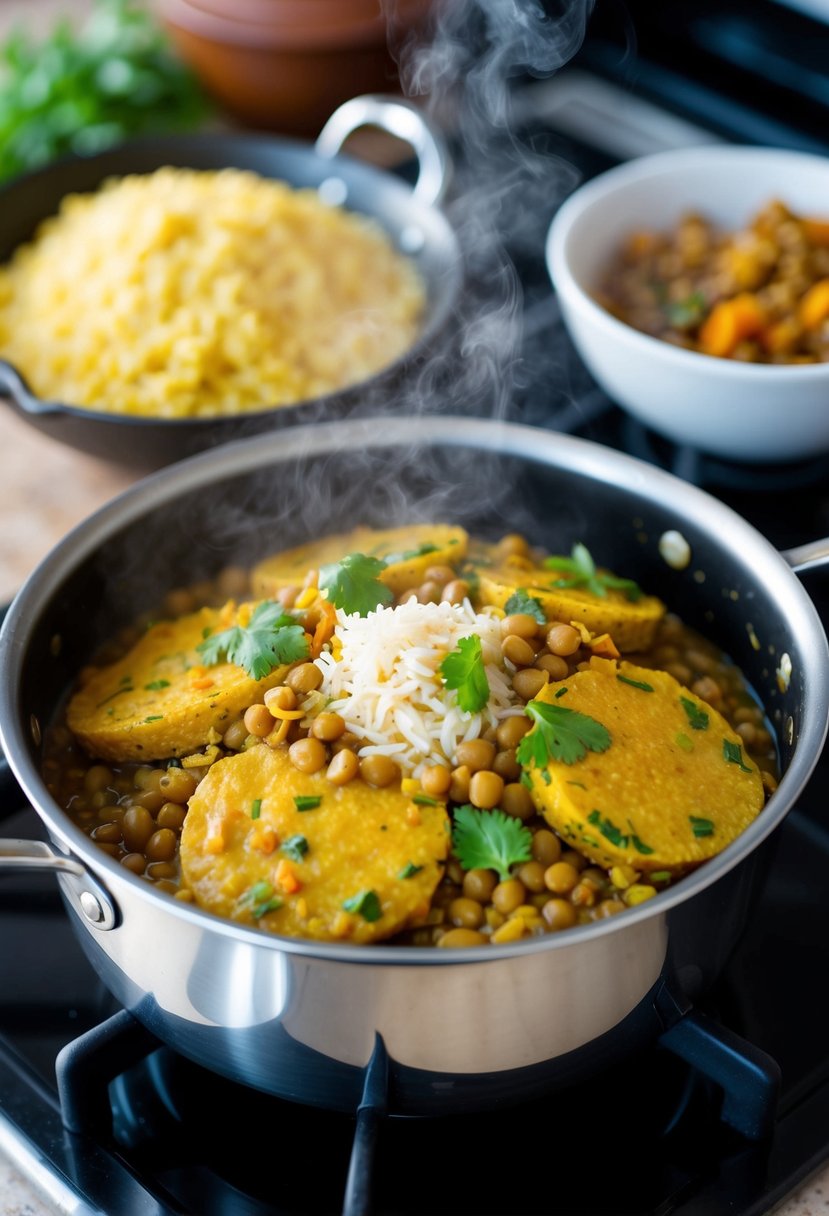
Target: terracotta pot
x=287 y=64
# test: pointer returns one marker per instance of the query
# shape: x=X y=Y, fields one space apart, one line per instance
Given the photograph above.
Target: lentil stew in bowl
x=757 y=295
x=412 y=735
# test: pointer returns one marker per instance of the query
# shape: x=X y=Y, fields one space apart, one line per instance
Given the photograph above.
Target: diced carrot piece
x=324 y=629
x=731 y=322
x=285 y=877
x=605 y=647
x=814 y=307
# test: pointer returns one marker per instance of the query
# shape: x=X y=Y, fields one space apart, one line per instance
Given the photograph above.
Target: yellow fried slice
x=410 y=551
x=375 y=847
x=672 y=789
x=160 y=700
x=631 y=623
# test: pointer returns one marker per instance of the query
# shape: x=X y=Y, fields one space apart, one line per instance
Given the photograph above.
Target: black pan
x=410 y=214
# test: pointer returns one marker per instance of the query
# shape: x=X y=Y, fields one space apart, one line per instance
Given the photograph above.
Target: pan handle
x=36 y=856
x=811 y=556
x=13 y=386
x=407 y=122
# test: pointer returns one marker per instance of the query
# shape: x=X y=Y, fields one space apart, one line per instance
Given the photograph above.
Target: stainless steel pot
x=410 y=214
x=461 y=1027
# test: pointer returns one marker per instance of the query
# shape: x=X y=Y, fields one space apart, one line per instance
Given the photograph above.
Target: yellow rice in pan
x=187 y=292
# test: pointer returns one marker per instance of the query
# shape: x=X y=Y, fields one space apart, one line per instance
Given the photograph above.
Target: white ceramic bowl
x=746 y=412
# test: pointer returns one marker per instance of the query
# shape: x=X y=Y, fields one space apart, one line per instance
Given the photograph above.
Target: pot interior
x=208 y=514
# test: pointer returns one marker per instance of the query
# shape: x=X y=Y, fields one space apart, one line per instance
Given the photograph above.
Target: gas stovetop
x=107 y=1119
x=103 y=1118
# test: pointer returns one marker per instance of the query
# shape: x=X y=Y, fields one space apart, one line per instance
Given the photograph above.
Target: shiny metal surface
x=811 y=556
x=298 y=1018
x=403 y=119
x=84 y=890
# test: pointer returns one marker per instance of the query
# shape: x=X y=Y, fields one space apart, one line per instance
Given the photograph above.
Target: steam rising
x=502 y=197
x=504 y=193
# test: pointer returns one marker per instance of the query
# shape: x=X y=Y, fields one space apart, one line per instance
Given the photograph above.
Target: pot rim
x=549 y=448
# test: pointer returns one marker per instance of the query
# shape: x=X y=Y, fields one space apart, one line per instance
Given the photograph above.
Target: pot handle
x=811 y=556
x=15 y=388
x=36 y=856
x=402 y=119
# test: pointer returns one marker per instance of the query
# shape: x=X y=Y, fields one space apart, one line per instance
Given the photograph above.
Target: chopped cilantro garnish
x=270 y=639
x=733 y=753
x=366 y=904
x=260 y=899
x=307 y=802
x=685 y=314
x=295 y=847
x=156 y=685
x=425 y=800
x=581 y=572
x=409 y=870
x=463 y=670
x=561 y=692
x=684 y=742
x=701 y=827
x=580 y=784
x=638 y=844
x=353 y=583
x=521 y=601
x=124 y=688
x=256 y=808
x=661 y=876
x=608 y=829
x=421 y=551
x=154 y=718
x=490 y=840
x=696 y=716
x=560 y=734
x=640 y=684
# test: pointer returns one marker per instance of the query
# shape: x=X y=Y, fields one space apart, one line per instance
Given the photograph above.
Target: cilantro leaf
x=608 y=829
x=392 y=559
x=560 y=734
x=295 y=847
x=463 y=670
x=353 y=584
x=581 y=572
x=522 y=601
x=259 y=900
x=365 y=904
x=270 y=639
x=733 y=753
x=685 y=314
x=697 y=717
x=701 y=827
x=490 y=840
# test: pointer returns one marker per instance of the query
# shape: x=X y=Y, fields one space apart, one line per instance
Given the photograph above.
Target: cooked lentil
x=136 y=811
x=757 y=295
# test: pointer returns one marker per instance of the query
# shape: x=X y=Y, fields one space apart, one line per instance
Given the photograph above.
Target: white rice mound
x=386 y=683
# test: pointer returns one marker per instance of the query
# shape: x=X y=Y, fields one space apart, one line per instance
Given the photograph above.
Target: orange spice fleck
x=285 y=877
x=263 y=838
